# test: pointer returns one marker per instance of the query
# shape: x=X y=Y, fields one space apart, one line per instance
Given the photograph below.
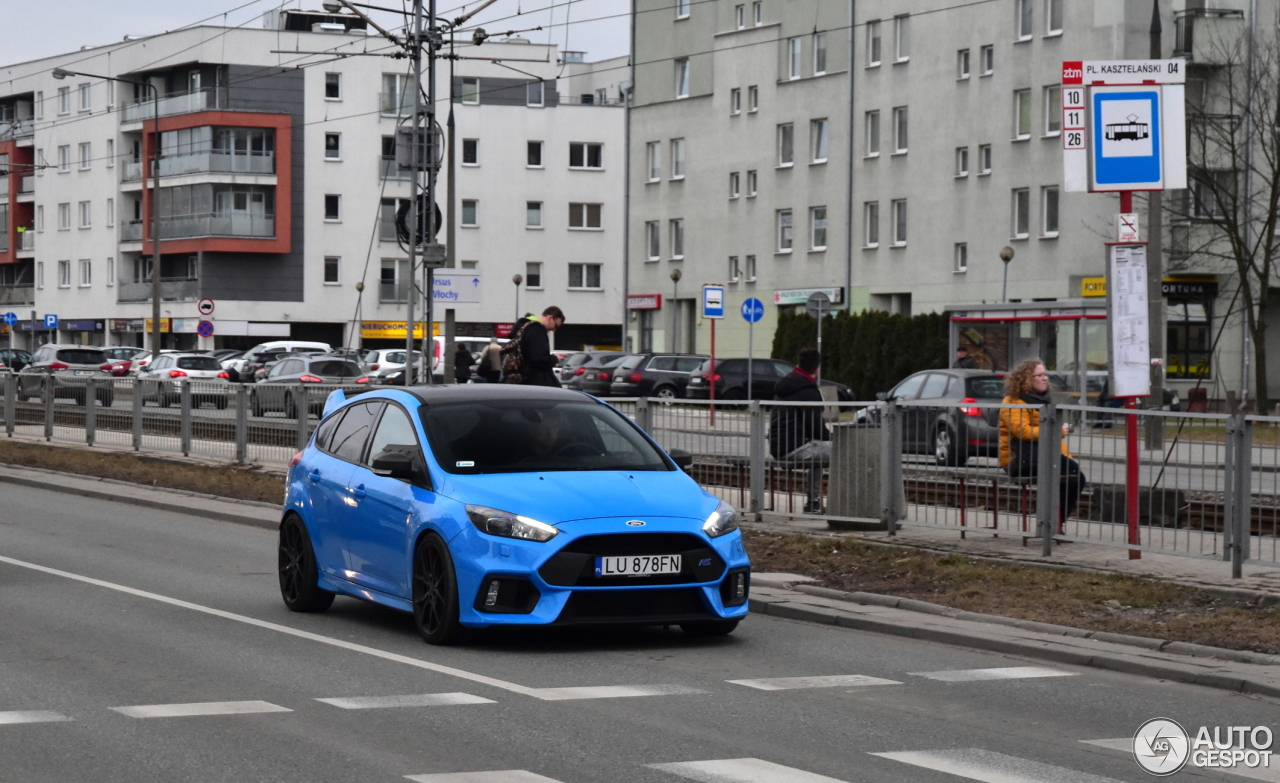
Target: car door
x=922 y=420
x=379 y=529
x=332 y=480
x=906 y=391
x=325 y=478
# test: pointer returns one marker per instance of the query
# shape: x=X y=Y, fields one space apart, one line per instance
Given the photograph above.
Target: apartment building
x=884 y=152
x=278 y=188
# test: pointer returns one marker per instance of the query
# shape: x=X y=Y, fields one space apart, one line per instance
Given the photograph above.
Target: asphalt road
x=110 y=607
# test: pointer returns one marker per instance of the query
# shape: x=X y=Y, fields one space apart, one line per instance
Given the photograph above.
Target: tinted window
x=729 y=365
x=934 y=386
x=615 y=361
x=688 y=363
x=782 y=369
x=762 y=369
x=82 y=356
x=350 y=436
x=666 y=363
x=986 y=388
x=396 y=357
x=198 y=363
x=395 y=433
x=325 y=431
x=333 y=368
x=908 y=388
x=630 y=362
x=525 y=436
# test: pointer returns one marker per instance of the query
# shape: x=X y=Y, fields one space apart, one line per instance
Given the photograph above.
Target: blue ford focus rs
x=480 y=506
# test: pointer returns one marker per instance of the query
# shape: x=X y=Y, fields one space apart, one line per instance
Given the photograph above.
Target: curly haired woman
x=1028 y=384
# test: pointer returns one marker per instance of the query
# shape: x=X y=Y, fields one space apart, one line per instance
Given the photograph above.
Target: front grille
x=634 y=606
x=574 y=566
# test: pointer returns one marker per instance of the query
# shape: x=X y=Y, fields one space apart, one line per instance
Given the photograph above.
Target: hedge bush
x=868 y=352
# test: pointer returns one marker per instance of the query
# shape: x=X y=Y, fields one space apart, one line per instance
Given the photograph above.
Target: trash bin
x=853 y=488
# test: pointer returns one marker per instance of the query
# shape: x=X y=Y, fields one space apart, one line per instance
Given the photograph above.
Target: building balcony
x=209 y=162
x=27 y=186
x=182 y=103
x=390 y=291
x=1209 y=36
x=184 y=289
x=13 y=295
x=243 y=226
x=389 y=169
x=26 y=240
x=12 y=130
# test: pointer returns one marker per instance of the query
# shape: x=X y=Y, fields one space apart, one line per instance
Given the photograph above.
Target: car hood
x=558 y=497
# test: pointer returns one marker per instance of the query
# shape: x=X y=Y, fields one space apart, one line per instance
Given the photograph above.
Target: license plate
x=82 y=372
x=637 y=565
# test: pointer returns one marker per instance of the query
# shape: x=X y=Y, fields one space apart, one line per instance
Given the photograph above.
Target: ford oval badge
x=635 y=523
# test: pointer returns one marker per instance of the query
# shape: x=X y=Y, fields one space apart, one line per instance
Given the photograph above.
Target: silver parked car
x=68 y=370
x=276 y=392
x=161 y=380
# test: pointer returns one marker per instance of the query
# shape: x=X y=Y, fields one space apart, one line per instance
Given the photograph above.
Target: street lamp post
x=1006 y=255
x=675 y=308
x=62 y=73
x=517 y=278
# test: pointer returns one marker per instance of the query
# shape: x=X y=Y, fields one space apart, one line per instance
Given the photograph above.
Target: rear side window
x=986 y=388
x=934 y=386
x=350 y=436
x=614 y=362
x=688 y=363
x=325 y=431
x=667 y=363
x=198 y=363
x=630 y=362
x=81 y=356
x=335 y=368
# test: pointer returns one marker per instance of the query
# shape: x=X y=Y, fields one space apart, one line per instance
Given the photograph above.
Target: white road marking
x=833 y=681
x=31 y=716
x=418 y=700
x=991 y=767
x=547 y=694
x=498 y=776
x=1006 y=673
x=741 y=771
x=1125 y=746
x=613 y=692
x=199 y=708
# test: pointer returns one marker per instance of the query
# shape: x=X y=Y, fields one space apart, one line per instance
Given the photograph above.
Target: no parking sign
x=205 y=329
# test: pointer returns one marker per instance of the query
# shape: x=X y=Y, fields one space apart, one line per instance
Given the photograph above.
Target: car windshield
x=335 y=368
x=525 y=436
x=986 y=388
x=82 y=356
x=198 y=363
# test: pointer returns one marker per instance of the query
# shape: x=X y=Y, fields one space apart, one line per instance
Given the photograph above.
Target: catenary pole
x=415 y=157
x=1154 y=435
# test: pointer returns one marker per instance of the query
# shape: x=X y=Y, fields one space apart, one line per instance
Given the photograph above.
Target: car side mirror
x=882 y=396
x=393 y=464
x=682 y=458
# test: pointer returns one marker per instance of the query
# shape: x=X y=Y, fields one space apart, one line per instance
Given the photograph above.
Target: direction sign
x=1124 y=72
x=456 y=287
x=205 y=306
x=9 y=319
x=753 y=310
x=51 y=322
x=818 y=305
x=205 y=329
x=713 y=301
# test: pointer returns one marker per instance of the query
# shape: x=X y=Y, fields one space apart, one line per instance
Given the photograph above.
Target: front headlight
x=508 y=525
x=723 y=520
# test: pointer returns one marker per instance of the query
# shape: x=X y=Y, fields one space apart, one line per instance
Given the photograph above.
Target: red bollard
x=1131 y=475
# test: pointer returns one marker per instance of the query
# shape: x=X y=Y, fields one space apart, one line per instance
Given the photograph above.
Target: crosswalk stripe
x=1125 y=746
x=833 y=681
x=418 y=700
x=1006 y=673
x=741 y=771
x=199 y=708
x=992 y=767
x=611 y=692
x=497 y=776
x=31 y=716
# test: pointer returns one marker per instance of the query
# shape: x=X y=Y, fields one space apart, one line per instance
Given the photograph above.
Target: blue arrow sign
x=51 y=322
x=753 y=310
x=10 y=319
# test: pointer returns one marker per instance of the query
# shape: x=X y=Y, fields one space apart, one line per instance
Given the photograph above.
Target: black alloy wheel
x=946 y=450
x=299 y=585
x=709 y=627
x=665 y=393
x=435 y=592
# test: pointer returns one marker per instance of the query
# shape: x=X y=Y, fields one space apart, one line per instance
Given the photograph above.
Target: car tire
x=106 y=398
x=709 y=627
x=255 y=403
x=299 y=576
x=945 y=449
x=435 y=592
x=162 y=399
x=77 y=397
x=665 y=393
x=290 y=407
x=20 y=396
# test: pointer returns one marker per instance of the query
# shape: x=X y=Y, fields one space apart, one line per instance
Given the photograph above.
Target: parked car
x=15 y=358
x=252 y=356
x=575 y=364
x=953 y=430
x=731 y=380
x=276 y=392
x=380 y=359
x=259 y=370
x=597 y=381
x=124 y=355
x=589 y=513
x=654 y=375
x=68 y=369
x=594 y=362
x=161 y=381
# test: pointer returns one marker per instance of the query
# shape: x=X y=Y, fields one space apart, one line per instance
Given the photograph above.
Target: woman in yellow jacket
x=1028 y=384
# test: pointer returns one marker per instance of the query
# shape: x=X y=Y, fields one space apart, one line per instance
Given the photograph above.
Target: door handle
x=359 y=491
x=314 y=475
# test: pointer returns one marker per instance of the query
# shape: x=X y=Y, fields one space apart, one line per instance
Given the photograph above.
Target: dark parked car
x=654 y=375
x=15 y=358
x=69 y=369
x=575 y=365
x=276 y=391
x=731 y=380
x=953 y=431
x=596 y=381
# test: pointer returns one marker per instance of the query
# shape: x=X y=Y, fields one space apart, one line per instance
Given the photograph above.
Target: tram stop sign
x=818 y=305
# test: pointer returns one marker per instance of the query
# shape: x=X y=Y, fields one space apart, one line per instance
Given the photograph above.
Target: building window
x=735 y=185
x=470 y=89
x=751 y=269
x=753 y=98
x=40 y=274
x=64 y=274
x=396 y=98
x=900 y=130
x=111 y=212
x=470 y=213
x=1189 y=342
x=818 y=133
x=333 y=146
x=333 y=89
x=901 y=38
x=682 y=78
x=984 y=158
x=652 y=232
x=873 y=134
x=331 y=267
x=677 y=159
x=753 y=181
x=584 y=216
x=786 y=144
x=85 y=215
x=757 y=13
x=1208 y=192
x=40 y=218
x=64 y=216
x=1053 y=17
x=40 y=104
x=962 y=64
x=962 y=161
x=677 y=239
x=740 y=16
x=332 y=207
x=735 y=101
x=533 y=274
x=1021 y=213
x=470 y=152
x=1024 y=19
x=682 y=9
x=86 y=155
x=86 y=273
x=873 y=43
x=793 y=58
x=987 y=59
x=735 y=269
x=64 y=100
x=533 y=94
x=64 y=158
x=111 y=267
x=584 y=275
x=534 y=159
x=1053 y=110
x=819 y=54
x=818 y=228
x=111 y=153
x=653 y=156
x=900 y=222
x=1049 y=211
x=469 y=264
x=961 y=263
x=533 y=214
x=1021 y=114
x=785 y=239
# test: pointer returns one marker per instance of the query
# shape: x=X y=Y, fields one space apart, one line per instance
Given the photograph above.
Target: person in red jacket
x=797 y=433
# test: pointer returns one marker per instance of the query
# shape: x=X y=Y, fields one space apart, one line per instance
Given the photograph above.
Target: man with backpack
x=527 y=358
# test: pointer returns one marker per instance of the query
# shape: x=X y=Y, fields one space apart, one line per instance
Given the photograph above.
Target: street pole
x=415 y=157
x=1154 y=435
x=517 y=278
x=1006 y=255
